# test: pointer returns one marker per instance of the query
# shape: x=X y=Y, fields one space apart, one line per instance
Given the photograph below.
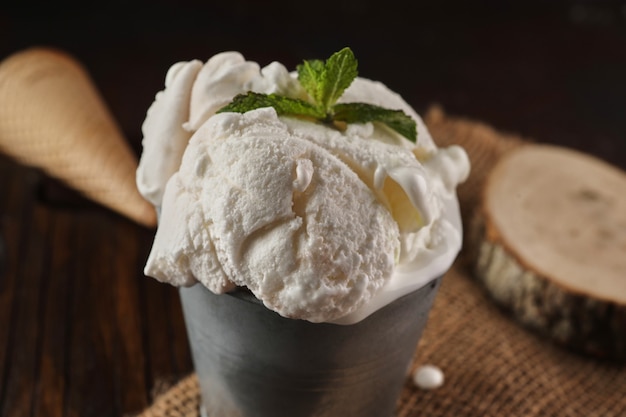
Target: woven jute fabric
x=493 y=367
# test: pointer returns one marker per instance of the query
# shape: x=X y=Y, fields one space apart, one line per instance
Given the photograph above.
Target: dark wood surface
x=82 y=331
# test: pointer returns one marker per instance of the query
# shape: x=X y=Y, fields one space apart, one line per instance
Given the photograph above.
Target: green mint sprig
x=325 y=82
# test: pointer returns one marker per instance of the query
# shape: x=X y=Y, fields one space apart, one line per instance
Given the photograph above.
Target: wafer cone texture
x=53 y=118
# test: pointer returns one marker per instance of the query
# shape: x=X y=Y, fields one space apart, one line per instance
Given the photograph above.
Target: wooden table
x=82 y=331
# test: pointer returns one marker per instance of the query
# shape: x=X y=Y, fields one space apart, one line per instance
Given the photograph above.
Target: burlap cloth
x=492 y=366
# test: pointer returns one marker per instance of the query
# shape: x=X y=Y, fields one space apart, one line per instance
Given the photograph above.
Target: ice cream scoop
x=320 y=223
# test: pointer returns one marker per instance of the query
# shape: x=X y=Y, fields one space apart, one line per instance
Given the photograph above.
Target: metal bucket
x=251 y=362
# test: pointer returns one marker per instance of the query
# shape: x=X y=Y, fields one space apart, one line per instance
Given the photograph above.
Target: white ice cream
x=319 y=224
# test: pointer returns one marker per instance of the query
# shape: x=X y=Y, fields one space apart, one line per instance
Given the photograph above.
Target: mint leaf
x=283 y=105
x=310 y=78
x=325 y=83
x=363 y=112
x=339 y=72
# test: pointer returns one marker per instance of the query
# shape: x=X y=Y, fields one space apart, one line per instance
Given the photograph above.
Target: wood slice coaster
x=551 y=239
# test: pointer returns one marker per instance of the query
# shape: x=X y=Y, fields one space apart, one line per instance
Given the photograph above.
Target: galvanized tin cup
x=251 y=362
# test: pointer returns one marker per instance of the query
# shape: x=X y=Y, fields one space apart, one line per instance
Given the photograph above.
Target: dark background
x=551 y=70
x=82 y=331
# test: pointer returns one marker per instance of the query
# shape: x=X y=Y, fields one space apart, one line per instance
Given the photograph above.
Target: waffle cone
x=53 y=118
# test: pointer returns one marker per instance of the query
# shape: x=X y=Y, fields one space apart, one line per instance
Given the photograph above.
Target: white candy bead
x=428 y=377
